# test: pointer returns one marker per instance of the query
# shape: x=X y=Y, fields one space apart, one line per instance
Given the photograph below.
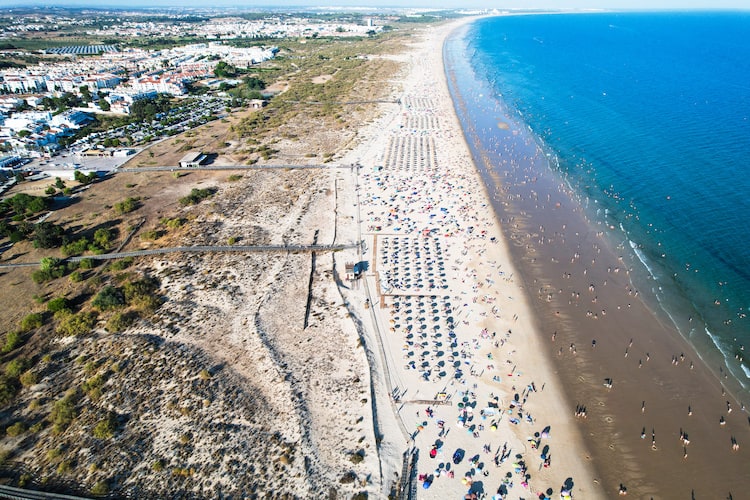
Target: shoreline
x=552 y=240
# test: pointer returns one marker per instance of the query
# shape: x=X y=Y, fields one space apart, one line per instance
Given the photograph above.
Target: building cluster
x=112 y=80
x=228 y=28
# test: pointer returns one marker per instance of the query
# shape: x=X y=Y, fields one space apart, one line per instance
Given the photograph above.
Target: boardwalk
x=168 y=168
x=199 y=249
x=22 y=494
x=346 y=103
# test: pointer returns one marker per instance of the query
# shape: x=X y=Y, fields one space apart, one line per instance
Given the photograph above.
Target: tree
x=109 y=297
x=224 y=70
x=59 y=184
x=23 y=203
x=254 y=83
x=103 y=238
x=47 y=235
x=50 y=268
x=85 y=93
x=104 y=105
x=147 y=109
x=84 y=178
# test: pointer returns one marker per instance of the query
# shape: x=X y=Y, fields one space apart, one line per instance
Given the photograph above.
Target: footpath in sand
x=479 y=411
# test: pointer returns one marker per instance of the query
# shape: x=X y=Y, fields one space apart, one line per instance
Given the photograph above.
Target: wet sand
x=598 y=327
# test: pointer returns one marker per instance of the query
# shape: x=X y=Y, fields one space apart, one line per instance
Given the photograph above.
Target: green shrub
x=12 y=341
x=58 y=304
x=173 y=223
x=50 y=268
x=128 y=205
x=86 y=264
x=158 y=465
x=76 y=247
x=196 y=196
x=16 y=367
x=76 y=324
x=121 y=264
x=47 y=235
x=141 y=293
x=54 y=454
x=234 y=178
x=105 y=429
x=75 y=277
x=150 y=235
x=64 y=411
x=29 y=378
x=16 y=429
x=31 y=322
x=100 y=488
x=119 y=321
x=93 y=386
x=8 y=389
x=23 y=203
x=84 y=178
x=103 y=238
x=64 y=467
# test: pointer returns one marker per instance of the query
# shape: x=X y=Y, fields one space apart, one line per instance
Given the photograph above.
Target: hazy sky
x=500 y=4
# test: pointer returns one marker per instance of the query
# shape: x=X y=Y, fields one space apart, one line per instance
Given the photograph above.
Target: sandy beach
x=574 y=387
x=479 y=410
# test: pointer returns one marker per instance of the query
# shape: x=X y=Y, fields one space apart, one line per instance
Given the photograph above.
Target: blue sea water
x=648 y=115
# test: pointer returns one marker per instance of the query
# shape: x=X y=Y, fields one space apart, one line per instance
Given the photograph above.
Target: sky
x=490 y=4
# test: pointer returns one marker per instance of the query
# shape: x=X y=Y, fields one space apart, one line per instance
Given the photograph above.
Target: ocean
x=645 y=118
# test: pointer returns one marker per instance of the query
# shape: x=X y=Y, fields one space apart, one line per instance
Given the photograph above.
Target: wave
x=643 y=259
